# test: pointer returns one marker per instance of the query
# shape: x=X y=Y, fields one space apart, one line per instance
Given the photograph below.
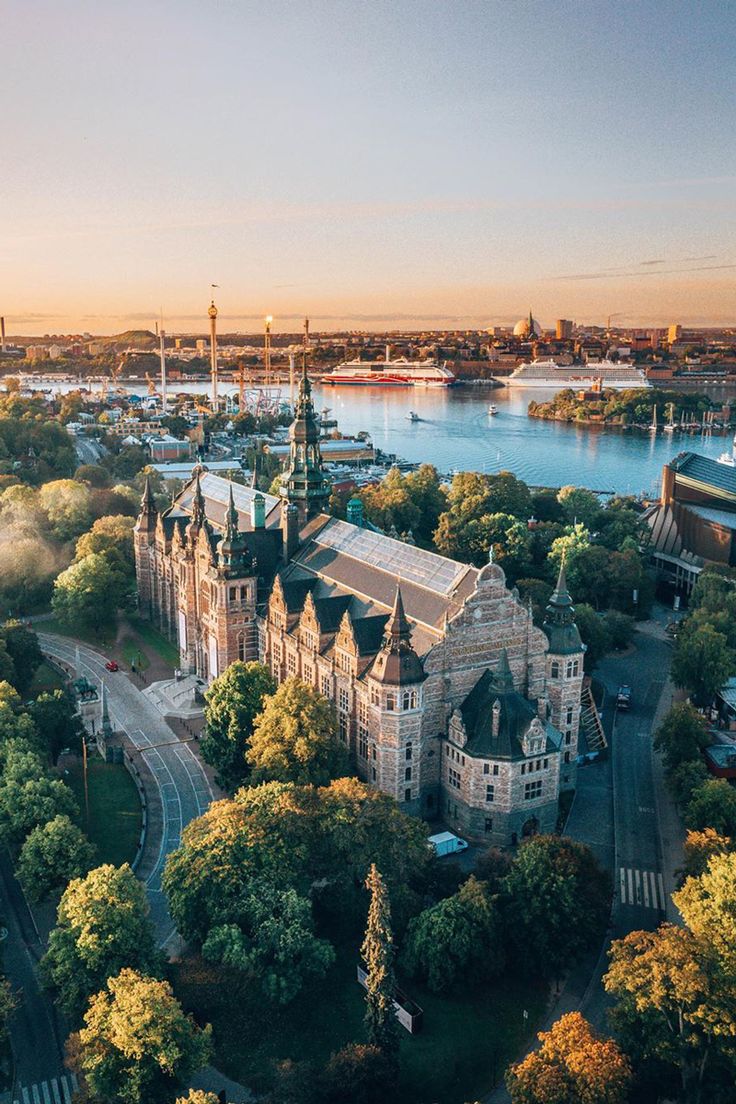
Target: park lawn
x=467 y=1040
x=114 y=808
x=168 y=652
x=133 y=654
x=104 y=639
x=46 y=679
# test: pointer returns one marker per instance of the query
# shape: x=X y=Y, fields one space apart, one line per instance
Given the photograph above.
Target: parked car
x=623 y=697
x=111 y=665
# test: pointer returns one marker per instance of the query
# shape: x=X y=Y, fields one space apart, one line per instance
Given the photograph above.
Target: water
x=456 y=431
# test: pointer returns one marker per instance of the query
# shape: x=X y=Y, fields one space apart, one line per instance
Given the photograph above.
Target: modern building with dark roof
x=694 y=523
x=447 y=695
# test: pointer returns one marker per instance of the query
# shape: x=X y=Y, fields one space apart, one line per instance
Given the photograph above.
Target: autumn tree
x=378 y=957
x=233 y=701
x=574 y=1065
x=358 y=1074
x=102 y=925
x=458 y=939
x=137 y=1044
x=53 y=854
x=556 y=902
x=295 y=738
x=700 y=847
x=198 y=1096
x=708 y=907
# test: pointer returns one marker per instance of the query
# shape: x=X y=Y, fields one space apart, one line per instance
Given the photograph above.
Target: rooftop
x=701 y=470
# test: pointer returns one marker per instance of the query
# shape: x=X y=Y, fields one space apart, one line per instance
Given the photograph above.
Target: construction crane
x=151 y=384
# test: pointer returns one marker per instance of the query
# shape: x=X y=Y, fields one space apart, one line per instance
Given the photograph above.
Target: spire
x=560 y=599
x=559 y=619
x=305 y=484
x=254 y=476
x=502 y=677
x=148 y=503
x=198 y=510
x=397 y=626
x=231 y=518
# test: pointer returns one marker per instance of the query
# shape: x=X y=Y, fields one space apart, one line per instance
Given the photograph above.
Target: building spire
x=503 y=679
x=397 y=626
x=231 y=517
x=198 y=509
x=397 y=664
x=148 y=503
x=560 y=598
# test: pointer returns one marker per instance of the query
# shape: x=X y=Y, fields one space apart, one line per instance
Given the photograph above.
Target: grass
x=134 y=654
x=114 y=808
x=104 y=639
x=46 y=679
x=145 y=631
x=466 y=1042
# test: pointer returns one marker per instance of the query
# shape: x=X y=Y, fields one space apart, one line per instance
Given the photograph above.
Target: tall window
x=326 y=686
x=343 y=699
x=454 y=778
x=409 y=699
x=489 y=792
x=362 y=742
x=241 y=648
x=407 y=774
x=290 y=663
x=554 y=670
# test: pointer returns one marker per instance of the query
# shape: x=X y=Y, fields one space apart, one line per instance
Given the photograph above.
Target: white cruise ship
x=606 y=373
x=391 y=373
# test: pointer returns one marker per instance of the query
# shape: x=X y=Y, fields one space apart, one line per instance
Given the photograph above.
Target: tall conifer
x=378 y=956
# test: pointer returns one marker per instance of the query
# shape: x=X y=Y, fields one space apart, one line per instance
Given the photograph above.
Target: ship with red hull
x=390 y=373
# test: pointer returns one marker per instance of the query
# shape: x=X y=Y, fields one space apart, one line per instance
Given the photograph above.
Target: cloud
x=652 y=262
x=611 y=274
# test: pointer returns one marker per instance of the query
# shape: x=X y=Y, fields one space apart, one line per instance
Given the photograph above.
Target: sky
x=412 y=163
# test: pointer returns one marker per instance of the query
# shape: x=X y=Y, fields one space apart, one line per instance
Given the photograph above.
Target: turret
x=306 y=485
x=559 y=622
x=354 y=512
x=258 y=511
x=148 y=516
x=232 y=553
x=564 y=671
x=397 y=664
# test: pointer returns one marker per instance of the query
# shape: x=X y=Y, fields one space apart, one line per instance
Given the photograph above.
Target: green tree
x=88 y=594
x=55 y=716
x=8 y=1004
x=102 y=925
x=684 y=780
x=681 y=736
x=295 y=738
x=556 y=902
x=53 y=854
x=594 y=634
x=713 y=805
x=702 y=662
x=579 y=505
x=455 y=940
x=389 y=504
x=111 y=536
x=23 y=648
x=137 y=1044
x=378 y=957
x=273 y=942
x=358 y=1074
x=700 y=847
x=233 y=701
x=68 y=506
x=574 y=1065
x=28 y=797
x=425 y=491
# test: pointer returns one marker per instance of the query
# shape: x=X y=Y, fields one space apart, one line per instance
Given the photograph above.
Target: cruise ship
x=603 y=373
x=391 y=373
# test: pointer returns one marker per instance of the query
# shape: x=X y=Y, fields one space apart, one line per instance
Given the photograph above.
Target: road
x=89 y=451
x=183 y=786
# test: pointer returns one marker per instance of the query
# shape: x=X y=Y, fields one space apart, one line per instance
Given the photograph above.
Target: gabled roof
x=216 y=494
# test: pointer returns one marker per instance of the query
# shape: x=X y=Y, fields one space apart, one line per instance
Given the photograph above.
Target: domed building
x=527 y=327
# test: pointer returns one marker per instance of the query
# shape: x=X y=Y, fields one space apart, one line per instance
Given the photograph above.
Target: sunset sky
x=369 y=164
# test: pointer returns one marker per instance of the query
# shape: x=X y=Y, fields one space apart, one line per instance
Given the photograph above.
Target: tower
x=305 y=485
x=396 y=679
x=212 y=312
x=144 y=535
x=233 y=558
x=564 y=673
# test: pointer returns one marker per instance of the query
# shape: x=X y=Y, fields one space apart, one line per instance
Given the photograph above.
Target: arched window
x=554 y=671
x=409 y=699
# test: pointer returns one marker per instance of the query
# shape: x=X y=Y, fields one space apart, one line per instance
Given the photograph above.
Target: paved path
x=182 y=784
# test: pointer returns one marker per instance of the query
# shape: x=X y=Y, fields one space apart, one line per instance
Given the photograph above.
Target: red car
x=111 y=665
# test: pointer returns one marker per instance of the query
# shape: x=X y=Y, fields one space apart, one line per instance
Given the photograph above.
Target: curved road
x=183 y=786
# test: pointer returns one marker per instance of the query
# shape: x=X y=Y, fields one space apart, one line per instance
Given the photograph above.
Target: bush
x=358 y=1074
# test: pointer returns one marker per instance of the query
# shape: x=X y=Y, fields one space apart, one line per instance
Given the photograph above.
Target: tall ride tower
x=212 y=312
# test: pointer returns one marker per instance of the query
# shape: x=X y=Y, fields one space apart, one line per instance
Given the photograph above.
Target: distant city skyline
x=400 y=164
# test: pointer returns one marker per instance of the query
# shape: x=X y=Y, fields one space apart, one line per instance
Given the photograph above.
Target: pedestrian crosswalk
x=57 y=1090
x=644 y=888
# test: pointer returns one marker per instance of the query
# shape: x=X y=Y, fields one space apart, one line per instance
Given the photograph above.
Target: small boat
x=669 y=427
x=413 y=417
x=492 y=409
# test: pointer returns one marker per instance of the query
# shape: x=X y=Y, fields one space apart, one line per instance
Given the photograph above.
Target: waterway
x=456 y=432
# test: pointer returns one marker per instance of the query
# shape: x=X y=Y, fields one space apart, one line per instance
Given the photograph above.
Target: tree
x=232 y=703
x=378 y=957
x=55 y=716
x=579 y=505
x=574 y=540
x=52 y=855
x=708 y=907
x=700 y=847
x=670 y=1004
x=389 y=504
x=681 y=736
x=88 y=593
x=702 y=662
x=295 y=738
x=68 y=507
x=28 y=797
x=455 y=940
x=136 y=1043
x=358 y=1074
x=23 y=648
x=425 y=491
x=111 y=536
x=556 y=903
x=574 y=1065
x=8 y=1004
x=198 y=1096
x=713 y=805
x=102 y=926
x=684 y=780
x=272 y=942
x=594 y=634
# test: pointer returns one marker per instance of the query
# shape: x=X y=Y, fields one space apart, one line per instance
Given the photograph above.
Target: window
x=407 y=774
x=567 y=756
x=344 y=662
x=408 y=751
x=571 y=670
x=343 y=699
x=343 y=724
x=373 y=751
x=241 y=648
x=362 y=742
x=276 y=652
x=495 y=768
x=568 y=737
x=391 y=701
x=290 y=663
x=326 y=686
x=375 y=696
x=533 y=790
x=308 y=672
x=363 y=712
x=523 y=768
x=447 y=749
x=489 y=792
x=569 y=715
x=486 y=768
x=233 y=593
x=554 y=670
x=309 y=639
x=407 y=795
x=546 y=763
x=489 y=824
x=453 y=778
x=373 y=774
x=409 y=699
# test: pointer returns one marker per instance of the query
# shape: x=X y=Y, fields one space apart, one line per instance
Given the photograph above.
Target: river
x=456 y=432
